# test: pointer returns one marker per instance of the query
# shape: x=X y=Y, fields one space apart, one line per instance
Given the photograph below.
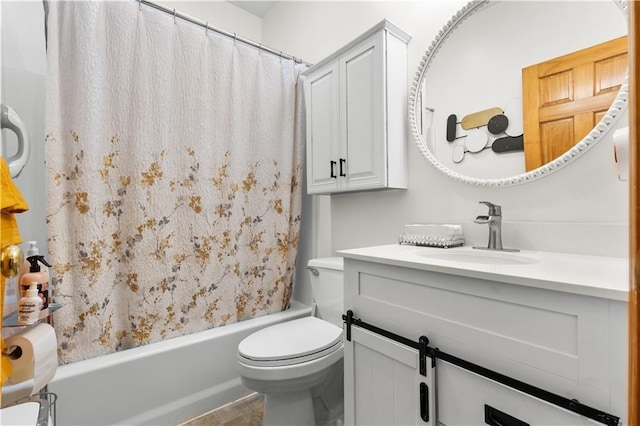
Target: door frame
x=634 y=218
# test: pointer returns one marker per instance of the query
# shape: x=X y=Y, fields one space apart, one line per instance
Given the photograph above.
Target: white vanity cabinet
x=562 y=333
x=356 y=114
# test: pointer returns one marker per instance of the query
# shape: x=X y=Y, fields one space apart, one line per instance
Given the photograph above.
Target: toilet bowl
x=297 y=365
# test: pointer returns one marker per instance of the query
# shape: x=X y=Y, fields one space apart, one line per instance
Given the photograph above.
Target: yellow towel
x=11 y=201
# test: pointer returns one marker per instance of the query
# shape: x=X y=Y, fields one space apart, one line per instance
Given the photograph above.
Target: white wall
x=221 y=15
x=582 y=208
x=23 y=86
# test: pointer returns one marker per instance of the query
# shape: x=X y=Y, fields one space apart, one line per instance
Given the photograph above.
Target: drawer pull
x=496 y=417
x=424 y=402
x=333 y=171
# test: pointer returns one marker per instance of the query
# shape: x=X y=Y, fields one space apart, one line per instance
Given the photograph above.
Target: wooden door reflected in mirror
x=565 y=97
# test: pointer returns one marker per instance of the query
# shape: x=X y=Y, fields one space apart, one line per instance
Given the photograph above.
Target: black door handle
x=333 y=172
x=496 y=417
x=424 y=402
x=342 y=164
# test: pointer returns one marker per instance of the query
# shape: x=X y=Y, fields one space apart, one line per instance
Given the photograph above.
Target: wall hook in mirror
x=498 y=124
x=452 y=123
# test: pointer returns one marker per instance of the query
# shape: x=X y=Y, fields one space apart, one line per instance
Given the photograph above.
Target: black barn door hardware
x=421 y=345
x=572 y=405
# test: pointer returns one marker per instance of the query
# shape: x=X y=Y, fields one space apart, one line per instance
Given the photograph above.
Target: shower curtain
x=174 y=160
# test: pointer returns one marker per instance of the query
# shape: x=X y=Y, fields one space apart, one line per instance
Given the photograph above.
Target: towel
x=11 y=201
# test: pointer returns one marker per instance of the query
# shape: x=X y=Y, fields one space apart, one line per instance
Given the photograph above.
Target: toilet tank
x=327 y=284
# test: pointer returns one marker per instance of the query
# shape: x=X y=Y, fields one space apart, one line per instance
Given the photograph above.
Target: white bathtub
x=164 y=383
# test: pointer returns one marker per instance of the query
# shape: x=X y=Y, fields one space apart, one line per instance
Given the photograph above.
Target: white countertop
x=597 y=276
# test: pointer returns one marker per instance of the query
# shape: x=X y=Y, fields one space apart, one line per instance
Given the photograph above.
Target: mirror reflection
x=498 y=98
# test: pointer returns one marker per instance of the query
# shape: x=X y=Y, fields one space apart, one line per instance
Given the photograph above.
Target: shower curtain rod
x=234 y=36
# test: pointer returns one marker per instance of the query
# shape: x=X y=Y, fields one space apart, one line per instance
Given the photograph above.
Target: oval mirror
x=515 y=72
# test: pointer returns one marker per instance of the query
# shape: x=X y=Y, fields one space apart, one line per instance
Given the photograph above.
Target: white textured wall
x=582 y=208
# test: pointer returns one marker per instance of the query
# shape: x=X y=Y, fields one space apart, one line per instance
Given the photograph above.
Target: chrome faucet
x=494 y=219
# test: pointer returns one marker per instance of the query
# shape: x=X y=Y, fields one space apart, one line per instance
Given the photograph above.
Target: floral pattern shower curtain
x=173 y=168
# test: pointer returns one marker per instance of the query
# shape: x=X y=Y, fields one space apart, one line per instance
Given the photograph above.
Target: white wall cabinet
x=571 y=345
x=356 y=109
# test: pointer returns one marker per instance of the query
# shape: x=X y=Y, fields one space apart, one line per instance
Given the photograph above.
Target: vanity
x=550 y=323
x=460 y=336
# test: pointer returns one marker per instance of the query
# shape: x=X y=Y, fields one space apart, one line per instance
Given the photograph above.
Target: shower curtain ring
x=206 y=29
x=174 y=16
x=139 y=4
x=234 y=38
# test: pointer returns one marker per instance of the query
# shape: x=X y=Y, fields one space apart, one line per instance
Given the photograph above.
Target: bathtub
x=163 y=383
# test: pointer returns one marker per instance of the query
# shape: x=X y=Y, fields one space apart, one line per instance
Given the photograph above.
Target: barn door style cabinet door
x=386 y=382
x=356 y=108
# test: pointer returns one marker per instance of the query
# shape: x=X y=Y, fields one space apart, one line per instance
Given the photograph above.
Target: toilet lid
x=294 y=341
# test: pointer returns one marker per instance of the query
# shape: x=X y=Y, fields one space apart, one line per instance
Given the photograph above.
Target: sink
x=482 y=257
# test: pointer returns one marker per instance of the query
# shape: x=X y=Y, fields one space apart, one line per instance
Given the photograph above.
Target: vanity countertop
x=597 y=276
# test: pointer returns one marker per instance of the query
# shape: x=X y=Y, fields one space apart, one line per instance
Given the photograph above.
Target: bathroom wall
x=582 y=208
x=24 y=71
x=23 y=86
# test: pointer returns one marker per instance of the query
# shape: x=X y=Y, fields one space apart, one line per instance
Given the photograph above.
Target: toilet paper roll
x=621 y=152
x=36 y=356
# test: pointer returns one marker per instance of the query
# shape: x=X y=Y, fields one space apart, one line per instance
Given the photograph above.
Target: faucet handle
x=494 y=209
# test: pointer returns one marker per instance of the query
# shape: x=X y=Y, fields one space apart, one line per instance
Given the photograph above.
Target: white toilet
x=298 y=364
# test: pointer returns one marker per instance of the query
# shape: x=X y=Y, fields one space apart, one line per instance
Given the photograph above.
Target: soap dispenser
x=31 y=251
x=29 y=306
x=38 y=278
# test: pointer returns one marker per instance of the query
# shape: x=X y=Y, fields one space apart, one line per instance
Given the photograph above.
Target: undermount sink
x=479 y=256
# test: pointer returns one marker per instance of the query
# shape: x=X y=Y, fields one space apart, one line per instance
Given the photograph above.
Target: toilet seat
x=290 y=343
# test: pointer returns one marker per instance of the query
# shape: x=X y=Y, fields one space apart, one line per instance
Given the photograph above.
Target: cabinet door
x=322 y=129
x=383 y=385
x=362 y=122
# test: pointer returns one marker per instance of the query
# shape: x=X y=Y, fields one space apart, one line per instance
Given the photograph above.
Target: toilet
x=297 y=364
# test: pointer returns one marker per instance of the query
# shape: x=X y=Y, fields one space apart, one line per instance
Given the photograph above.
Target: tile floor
x=247 y=411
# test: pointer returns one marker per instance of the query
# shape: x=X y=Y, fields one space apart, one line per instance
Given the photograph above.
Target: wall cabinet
x=356 y=115
x=571 y=345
